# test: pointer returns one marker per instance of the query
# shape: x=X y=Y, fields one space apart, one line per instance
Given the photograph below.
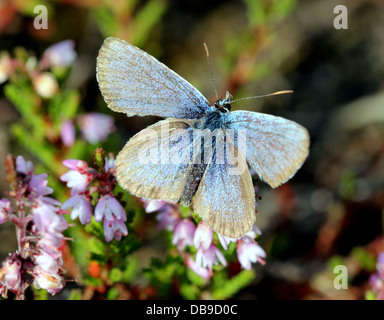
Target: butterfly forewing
x=225 y=199
x=135 y=83
x=275 y=147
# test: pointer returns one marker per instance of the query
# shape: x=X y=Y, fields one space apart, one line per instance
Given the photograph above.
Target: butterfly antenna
x=210 y=70
x=265 y=95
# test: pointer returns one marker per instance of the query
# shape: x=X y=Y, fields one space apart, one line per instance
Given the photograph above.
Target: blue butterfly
x=160 y=162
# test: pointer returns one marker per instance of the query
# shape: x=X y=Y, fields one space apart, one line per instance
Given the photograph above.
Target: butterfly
x=220 y=188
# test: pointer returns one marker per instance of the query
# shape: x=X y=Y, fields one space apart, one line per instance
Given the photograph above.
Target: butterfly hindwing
x=225 y=198
x=142 y=168
x=275 y=147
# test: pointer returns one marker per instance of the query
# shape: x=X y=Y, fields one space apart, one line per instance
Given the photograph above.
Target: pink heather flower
x=380 y=264
x=167 y=220
x=248 y=252
x=6 y=67
x=67 y=133
x=253 y=232
x=225 y=241
x=96 y=127
x=46 y=262
x=10 y=272
x=3 y=216
x=76 y=181
x=59 y=54
x=39 y=185
x=114 y=228
x=183 y=234
x=154 y=205
x=46 y=217
x=39 y=235
x=81 y=208
x=198 y=269
x=77 y=165
x=22 y=166
x=377 y=280
x=377 y=284
x=203 y=236
x=79 y=177
x=51 y=243
x=109 y=163
x=107 y=207
x=209 y=257
x=52 y=282
x=5 y=209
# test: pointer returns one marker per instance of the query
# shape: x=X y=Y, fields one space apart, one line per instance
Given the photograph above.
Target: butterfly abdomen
x=192 y=184
x=207 y=154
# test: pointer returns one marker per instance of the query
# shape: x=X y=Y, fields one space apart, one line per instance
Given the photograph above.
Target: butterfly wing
x=143 y=169
x=134 y=82
x=275 y=147
x=226 y=200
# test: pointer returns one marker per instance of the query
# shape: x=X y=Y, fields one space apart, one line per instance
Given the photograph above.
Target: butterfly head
x=224 y=104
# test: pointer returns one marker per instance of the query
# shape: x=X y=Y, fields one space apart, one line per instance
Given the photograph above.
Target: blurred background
x=331 y=212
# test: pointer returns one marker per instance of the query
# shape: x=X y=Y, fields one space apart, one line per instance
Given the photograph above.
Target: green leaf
x=95 y=228
x=195 y=278
x=229 y=288
x=189 y=291
x=106 y=20
x=336 y=260
x=370 y=295
x=347 y=185
x=27 y=103
x=79 y=150
x=131 y=270
x=29 y=6
x=79 y=247
x=42 y=150
x=366 y=259
x=282 y=8
x=75 y=294
x=96 y=247
x=88 y=280
x=64 y=106
x=40 y=294
x=115 y=275
x=112 y=294
x=145 y=20
x=255 y=12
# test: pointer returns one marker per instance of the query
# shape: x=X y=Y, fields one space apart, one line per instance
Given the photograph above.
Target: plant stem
x=20 y=227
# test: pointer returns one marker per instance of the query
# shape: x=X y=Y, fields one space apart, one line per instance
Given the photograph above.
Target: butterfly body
x=214 y=120
x=199 y=153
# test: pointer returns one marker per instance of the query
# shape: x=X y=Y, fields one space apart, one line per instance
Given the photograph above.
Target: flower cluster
x=202 y=238
x=45 y=84
x=377 y=279
x=94 y=127
x=89 y=184
x=39 y=223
